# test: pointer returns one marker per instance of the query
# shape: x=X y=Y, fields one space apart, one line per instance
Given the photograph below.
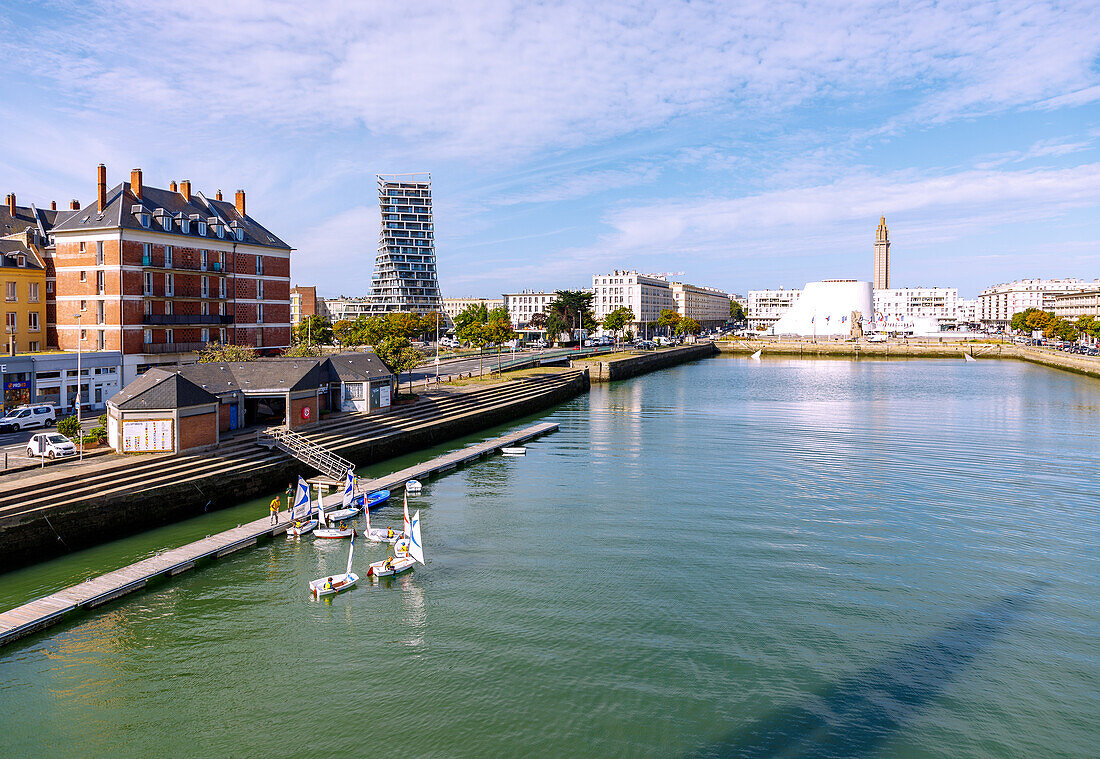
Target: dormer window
x=166 y=222
x=145 y=219
x=202 y=228
x=185 y=226
x=240 y=234
x=220 y=230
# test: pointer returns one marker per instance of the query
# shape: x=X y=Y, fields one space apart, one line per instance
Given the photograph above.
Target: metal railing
x=307 y=452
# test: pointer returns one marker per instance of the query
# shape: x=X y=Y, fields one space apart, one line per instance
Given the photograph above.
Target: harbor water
x=798 y=558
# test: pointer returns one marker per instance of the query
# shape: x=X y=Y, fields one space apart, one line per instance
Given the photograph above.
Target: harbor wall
x=44 y=534
x=1071 y=362
x=632 y=366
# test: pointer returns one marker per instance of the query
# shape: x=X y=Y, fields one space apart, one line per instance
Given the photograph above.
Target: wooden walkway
x=49 y=610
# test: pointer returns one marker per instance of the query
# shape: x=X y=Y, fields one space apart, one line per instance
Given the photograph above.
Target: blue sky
x=748 y=145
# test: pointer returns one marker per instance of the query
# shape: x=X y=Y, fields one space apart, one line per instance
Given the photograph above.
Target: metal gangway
x=300 y=447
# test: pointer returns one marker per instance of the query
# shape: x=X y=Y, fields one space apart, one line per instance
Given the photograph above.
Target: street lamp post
x=79 y=425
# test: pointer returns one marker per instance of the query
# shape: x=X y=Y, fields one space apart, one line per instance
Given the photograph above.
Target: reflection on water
x=728 y=558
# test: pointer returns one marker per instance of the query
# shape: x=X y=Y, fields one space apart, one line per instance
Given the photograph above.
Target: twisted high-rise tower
x=404 y=271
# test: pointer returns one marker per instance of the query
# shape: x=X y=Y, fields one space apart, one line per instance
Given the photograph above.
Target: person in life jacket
x=389 y=533
x=328 y=584
x=274 y=508
x=388 y=564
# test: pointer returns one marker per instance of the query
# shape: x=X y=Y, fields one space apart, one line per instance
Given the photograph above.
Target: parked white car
x=50 y=444
x=26 y=417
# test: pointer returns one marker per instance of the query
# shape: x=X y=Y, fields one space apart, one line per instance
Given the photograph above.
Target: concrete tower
x=404 y=270
x=882 y=256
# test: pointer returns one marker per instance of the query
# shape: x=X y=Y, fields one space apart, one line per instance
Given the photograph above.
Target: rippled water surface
x=729 y=558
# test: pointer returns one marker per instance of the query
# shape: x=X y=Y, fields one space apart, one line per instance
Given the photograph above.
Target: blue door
x=233 y=416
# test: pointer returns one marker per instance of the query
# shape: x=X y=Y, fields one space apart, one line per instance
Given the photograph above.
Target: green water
x=729 y=558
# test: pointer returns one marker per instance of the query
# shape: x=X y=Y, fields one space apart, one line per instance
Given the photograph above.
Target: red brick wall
x=296 y=406
x=198 y=430
x=223 y=417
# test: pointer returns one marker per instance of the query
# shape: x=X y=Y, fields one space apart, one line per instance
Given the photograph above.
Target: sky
x=745 y=144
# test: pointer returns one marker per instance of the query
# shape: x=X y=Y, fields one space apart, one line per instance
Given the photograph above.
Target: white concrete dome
x=826 y=308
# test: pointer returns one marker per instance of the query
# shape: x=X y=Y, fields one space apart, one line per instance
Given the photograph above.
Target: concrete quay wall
x=1087 y=365
x=623 y=368
x=44 y=534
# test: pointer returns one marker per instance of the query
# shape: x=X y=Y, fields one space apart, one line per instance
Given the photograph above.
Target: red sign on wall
x=305 y=412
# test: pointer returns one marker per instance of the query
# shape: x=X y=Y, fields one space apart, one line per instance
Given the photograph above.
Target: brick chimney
x=74 y=205
x=53 y=205
x=135 y=183
x=172 y=186
x=240 y=202
x=185 y=189
x=101 y=182
x=11 y=203
x=218 y=196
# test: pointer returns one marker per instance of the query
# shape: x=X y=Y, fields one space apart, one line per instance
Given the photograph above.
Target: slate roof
x=158 y=389
x=119 y=213
x=202 y=383
x=356 y=367
x=12 y=247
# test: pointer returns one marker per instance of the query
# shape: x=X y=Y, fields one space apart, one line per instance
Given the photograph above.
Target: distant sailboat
x=407 y=552
x=756 y=356
x=301 y=514
x=968 y=357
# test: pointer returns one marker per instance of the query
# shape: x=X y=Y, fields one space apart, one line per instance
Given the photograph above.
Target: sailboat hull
x=333 y=533
x=297 y=532
x=395 y=567
x=340 y=583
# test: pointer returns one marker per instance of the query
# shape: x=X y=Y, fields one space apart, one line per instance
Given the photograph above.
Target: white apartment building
x=904 y=304
x=968 y=311
x=525 y=304
x=452 y=307
x=763 y=308
x=706 y=305
x=347 y=308
x=1072 y=306
x=644 y=294
x=1000 y=302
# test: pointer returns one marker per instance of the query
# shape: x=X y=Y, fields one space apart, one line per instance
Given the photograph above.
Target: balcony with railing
x=187 y=319
x=172 y=347
x=215 y=267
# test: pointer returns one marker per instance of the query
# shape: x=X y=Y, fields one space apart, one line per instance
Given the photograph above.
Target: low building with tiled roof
x=192 y=406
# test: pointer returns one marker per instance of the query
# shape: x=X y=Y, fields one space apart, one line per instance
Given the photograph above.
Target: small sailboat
x=301 y=514
x=406 y=552
x=413 y=486
x=330 y=586
x=968 y=357
x=376 y=498
x=351 y=505
x=517 y=450
x=756 y=356
x=335 y=524
x=378 y=535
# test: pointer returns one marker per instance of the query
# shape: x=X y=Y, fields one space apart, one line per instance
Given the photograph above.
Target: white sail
x=756 y=356
x=968 y=357
x=349 y=489
x=366 y=514
x=406 y=525
x=321 y=507
x=416 y=548
x=302 y=506
x=351 y=550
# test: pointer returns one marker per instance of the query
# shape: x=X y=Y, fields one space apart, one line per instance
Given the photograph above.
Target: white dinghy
x=378 y=535
x=516 y=450
x=301 y=515
x=406 y=552
x=413 y=486
x=330 y=586
x=336 y=524
x=756 y=356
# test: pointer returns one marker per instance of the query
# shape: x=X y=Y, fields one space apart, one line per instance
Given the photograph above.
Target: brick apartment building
x=159 y=273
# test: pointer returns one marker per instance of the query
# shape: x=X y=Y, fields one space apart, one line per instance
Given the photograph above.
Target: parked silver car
x=26 y=417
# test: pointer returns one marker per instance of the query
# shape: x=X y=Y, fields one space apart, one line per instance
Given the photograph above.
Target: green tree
x=555 y=326
x=313 y=330
x=499 y=331
x=474 y=333
x=69 y=426
x=668 y=320
x=537 y=320
x=399 y=355
x=342 y=331
x=737 y=313
x=403 y=324
x=574 y=310
x=217 y=352
x=618 y=319
x=688 y=326
x=304 y=350
x=474 y=313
